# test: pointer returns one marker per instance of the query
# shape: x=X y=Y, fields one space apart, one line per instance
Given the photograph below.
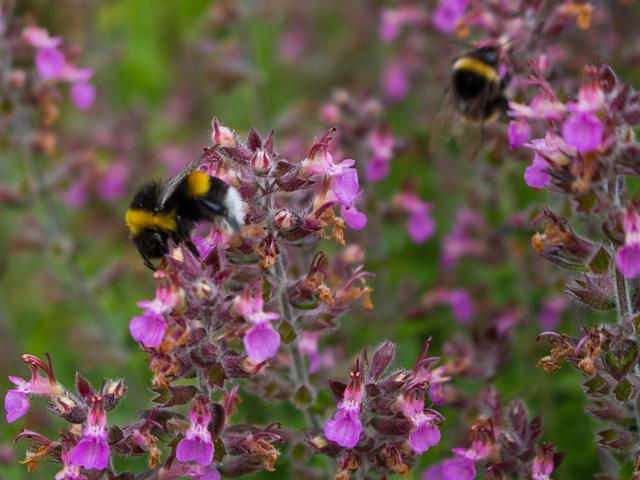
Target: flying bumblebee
x=477 y=89
x=163 y=211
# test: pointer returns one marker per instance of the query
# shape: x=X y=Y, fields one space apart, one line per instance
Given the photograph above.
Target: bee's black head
x=151 y=243
x=489 y=55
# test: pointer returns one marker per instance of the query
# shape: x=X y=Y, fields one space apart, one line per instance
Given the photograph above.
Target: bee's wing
x=172 y=183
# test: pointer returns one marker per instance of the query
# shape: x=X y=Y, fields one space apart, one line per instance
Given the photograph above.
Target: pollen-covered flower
x=345 y=427
x=16 y=401
x=261 y=341
x=628 y=255
x=197 y=445
x=424 y=431
x=92 y=451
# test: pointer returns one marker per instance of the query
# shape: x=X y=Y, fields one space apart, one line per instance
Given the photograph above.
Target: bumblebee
x=476 y=86
x=163 y=211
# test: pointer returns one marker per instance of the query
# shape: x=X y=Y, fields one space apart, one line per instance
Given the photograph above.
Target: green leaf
x=623 y=390
x=287 y=332
x=586 y=202
x=596 y=386
x=303 y=397
x=600 y=261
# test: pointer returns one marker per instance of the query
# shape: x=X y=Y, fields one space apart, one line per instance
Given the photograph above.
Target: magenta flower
x=261 y=341
x=353 y=218
x=92 y=451
x=197 y=445
x=424 y=432
x=583 y=130
x=39 y=38
x=149 y=328
x=448 y=14
x=542 y=466
x=461 y=304
x=69 y=470
x=50 y=62
x=395 y=81
x=82 y=95
x=377 y=169
x=519 y=133
x=552 y=310
x=345 y=186
x=452 y=469
x=345 y=427
x=113 y=183
x=460 y=241
x=420 y=224
x=16 y=401
x=628 y=255
x=535 y=175
x=391 y=22
x=381 y=144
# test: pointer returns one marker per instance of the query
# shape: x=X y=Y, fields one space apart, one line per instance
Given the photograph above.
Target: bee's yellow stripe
x=138 y=220
x=476 y=66
x=197 y=184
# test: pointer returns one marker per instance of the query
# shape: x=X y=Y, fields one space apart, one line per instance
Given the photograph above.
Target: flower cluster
x=84 y=444
x=502 y=443
x=382 y=422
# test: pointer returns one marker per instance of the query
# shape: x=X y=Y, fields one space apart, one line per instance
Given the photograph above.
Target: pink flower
x=261 y=341
x=345 y=186
x=395 y=81
x=50 y=62
x=92 y=451
x=519 y=133
x=460 y=241
x=69 y=470
x=452 y=469
x=424 y=432
x=377 y=169
x=583 y=130
x=345 y=426
x=535 y=175
x=16 y=401
x=628 y=255
x=543 y=464
x=113 y=183
x=149 y=328
x=420 y=224
x=197 y=445
x=448 y=14
x=353 y=218
x=82 y=95
x=391 y=21
x=381 y=144
x=39 y=38
x=552 y=310
x=461 y=304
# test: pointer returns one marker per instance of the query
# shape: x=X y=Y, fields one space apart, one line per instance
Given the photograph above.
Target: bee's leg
x=192 y=248
x=150 y=265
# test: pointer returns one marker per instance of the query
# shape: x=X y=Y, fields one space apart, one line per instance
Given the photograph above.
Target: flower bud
x=260 y=162
x=286 y=220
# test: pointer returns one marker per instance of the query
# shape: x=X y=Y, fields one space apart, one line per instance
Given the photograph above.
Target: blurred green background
x=163 y=70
